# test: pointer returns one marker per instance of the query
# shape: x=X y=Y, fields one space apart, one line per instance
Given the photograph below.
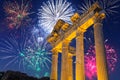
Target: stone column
x=54 y=71
x=80 y=71
x=101 y=62
x=64 y=66
x=70 y=67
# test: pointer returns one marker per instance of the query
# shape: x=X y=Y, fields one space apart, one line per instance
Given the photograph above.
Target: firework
x=37 y=53
x=25 y=52
x=39 y=57
x=53 y=10
x=11 y=50
x=109 y=6
x=85 y=5
x=90 y=61
x=90 y=64
x=17 y=13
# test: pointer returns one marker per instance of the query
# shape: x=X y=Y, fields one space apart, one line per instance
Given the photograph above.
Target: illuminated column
x=101 y=62
x=54 y=74
x=70 y=67
x=64 y=68
x=80 y=71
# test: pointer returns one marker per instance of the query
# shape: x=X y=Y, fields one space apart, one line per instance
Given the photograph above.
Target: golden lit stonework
x=63 y=33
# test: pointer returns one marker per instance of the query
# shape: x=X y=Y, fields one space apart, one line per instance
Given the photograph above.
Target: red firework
x=17 y=13
x=90 y=61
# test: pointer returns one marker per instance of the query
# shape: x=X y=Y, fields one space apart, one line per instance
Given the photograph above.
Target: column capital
x=67 y=41
x=98 y=21
x=54 y=51
x=80 y=31
x=100 y=18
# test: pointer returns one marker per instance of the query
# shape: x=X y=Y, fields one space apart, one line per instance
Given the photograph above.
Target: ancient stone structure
x=63 y=33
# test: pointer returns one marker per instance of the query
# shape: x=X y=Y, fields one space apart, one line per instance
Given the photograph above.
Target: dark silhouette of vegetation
x=15 y=75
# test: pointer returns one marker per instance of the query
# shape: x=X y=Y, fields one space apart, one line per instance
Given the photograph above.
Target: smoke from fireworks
x=17 y=13
x=90 y=61
x=53 y=10
x=38 y=32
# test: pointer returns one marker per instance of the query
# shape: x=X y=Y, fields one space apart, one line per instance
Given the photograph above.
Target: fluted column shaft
x=100 y=52
x=80 y=71
x=64 y=68
x=54 y=74
x=70 y=67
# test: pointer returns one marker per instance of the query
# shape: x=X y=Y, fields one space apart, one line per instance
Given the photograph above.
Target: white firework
x=53 y=10
x=109 y=6
x=85 y=5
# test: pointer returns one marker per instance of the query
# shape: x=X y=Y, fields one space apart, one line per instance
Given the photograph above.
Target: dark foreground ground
x=12 y=75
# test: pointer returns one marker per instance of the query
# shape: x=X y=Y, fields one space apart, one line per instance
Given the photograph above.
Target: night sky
x=111 y=29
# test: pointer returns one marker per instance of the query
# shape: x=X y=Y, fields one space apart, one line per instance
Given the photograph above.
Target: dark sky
x=111 y=28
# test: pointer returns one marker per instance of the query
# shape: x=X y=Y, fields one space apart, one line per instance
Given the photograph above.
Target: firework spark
x=38 y=57
x=13 y=51
x=37 y=53
x=17 y=14
x=90 y=61
x=24 y=52
x=109 y=6
x=53 y=10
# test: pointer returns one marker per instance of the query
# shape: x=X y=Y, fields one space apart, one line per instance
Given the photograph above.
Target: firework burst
x=17 y=13
x=11 y=50
x=90 y=61
x=38 y=55
x=109 y=6
x=25 y=52
x=53 y=10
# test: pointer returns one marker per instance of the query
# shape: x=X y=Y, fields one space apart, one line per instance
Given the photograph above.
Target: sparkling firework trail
x=39 y=57
x=90 y=61
x=11 y=50
x=53 y=10
x=37 y=52
x=26 y=52
x=17 y=13
x=109 y=6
